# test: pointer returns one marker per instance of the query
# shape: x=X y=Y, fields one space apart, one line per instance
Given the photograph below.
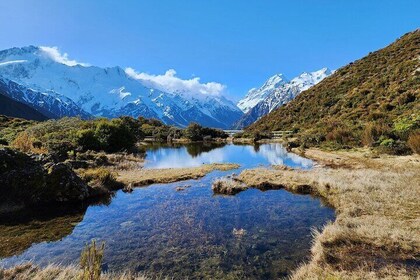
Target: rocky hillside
x=376 y=96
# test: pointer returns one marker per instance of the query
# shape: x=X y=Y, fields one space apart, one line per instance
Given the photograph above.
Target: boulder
x=26 y=181
x=63 y=184
x=22 y=179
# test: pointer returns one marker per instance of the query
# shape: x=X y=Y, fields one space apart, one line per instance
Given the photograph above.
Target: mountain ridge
x=110 y=92
x=275 y=92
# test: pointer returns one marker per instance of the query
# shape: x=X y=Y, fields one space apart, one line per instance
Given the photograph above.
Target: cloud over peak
x=169 y=82
x=55 y=54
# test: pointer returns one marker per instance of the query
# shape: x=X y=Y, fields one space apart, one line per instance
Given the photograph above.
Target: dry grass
x=376 y=232
x=227 y=186
x=25 y=143
x=414 y=142
x=167 y=175
x=100 y=179
x=56 y=272
x=125 y=161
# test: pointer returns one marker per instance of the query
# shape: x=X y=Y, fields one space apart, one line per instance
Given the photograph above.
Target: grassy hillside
x=372 y=101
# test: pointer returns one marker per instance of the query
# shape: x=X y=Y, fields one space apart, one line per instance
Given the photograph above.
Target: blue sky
x=237 y=43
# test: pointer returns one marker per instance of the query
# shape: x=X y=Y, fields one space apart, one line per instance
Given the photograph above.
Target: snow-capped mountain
x=107 y=92
x=255 y=96
x=50 y=104
x=276 y=92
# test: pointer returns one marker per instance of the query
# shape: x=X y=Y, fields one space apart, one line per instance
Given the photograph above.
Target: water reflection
x=247 y=155
x=20 y=230
x=182 y=234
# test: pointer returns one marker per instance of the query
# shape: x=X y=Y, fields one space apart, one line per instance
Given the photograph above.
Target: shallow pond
x=189 y=233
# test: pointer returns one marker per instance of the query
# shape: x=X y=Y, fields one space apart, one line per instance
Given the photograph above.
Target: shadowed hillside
x=17 y=109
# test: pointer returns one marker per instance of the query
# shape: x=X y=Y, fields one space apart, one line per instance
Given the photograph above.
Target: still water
x=189 y=233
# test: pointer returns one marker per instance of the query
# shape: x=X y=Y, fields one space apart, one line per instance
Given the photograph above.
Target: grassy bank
x=57 y=272
x=375 y=235
x=168 y=175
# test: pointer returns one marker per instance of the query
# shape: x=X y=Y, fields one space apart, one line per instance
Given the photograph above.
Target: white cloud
x=168 y=82
x=54 y=53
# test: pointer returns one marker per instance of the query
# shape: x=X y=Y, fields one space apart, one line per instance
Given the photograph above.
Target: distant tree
x=194 y=132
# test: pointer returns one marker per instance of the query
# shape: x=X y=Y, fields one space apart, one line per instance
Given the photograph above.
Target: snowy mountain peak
x=256 y=95
x=276 y=92
x=112 y=92
x=275 y=81
x=306 y=80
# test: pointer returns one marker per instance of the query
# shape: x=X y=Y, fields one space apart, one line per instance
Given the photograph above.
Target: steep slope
x=50 y=104
x=13 y=108
x=271 y=96
x=382 y=87
x=111 y=92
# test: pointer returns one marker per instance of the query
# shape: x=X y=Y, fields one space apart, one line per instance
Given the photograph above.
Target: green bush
x=134 y=125
x=403 y=126
x=393 y=147
x=373 y=132
x=114 y=136
x=213 y=132
x=387 y=142
x=87 y=140
x=194 y=132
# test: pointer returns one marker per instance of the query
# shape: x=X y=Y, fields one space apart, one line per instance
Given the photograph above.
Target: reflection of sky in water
x=246 y=155
x=189 y=233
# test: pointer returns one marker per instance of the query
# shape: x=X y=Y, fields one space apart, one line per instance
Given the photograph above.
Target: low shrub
x=388 y=142
x=114 y=136
x=340 y=135
x=87 y=140
x=414 y=142
x=91 y=261
x=393 y=147
x=261 y=135
x=196 y=132
x=100 y=177
x=25 y=143
x=373 y=132
x=403 y=126
x=312 y=139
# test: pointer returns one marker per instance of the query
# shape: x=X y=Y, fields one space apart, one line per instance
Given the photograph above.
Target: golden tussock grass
x=143 y=177
x=125 y=161
x=26 y=143
x=227 y=186
x=376 y=232
x=56 y=272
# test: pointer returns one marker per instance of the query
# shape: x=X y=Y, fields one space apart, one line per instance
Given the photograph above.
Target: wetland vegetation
x=158 y=230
